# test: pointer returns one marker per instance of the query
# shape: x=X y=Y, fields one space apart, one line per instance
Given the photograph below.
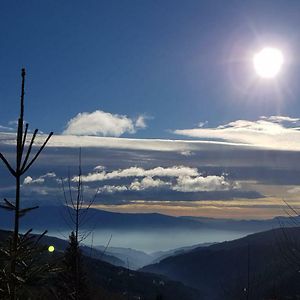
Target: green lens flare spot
x=51 y=249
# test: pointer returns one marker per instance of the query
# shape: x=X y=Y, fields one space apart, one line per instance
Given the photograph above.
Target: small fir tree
x=72 y=283
x=20 y=253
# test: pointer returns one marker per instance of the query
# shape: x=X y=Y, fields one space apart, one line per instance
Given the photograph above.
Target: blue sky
x=178 y=63
x=157 y=70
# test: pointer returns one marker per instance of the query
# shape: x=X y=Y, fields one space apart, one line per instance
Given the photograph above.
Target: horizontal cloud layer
x=187 y=179
x=275 y=132
x=184 y=147
x=126 y=171
x=174 y=171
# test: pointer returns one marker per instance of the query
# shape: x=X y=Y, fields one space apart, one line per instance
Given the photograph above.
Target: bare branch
x=70 y=190
x=11 y=170
x=106 y=246
x=290 y=207
x=29 y=150
x=38 y=153
x=8 y=205
x=24 y=137
x=23 y=73
x=23 y=211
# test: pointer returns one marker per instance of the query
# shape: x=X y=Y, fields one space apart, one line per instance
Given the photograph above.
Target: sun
x=268 y=62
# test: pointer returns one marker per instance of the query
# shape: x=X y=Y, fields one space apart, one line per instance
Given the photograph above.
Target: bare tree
x=77 y=205
x=24 y=161
x=74 y=280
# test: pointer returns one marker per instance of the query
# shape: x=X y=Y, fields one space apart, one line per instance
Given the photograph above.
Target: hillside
x=221 y=270
x=113 y=282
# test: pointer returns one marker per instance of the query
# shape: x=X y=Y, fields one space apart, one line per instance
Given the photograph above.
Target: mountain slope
x=60 y=245
x=107 y=280
x=132 y=258
x=221 y=270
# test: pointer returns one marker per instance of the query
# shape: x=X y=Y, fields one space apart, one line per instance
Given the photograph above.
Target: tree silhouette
x=76 y=205
x=24 y=160
x=72 y=280
x=77 y=209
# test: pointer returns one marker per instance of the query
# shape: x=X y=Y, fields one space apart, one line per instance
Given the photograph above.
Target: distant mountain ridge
x=135 y=259
x=54 y=218
x=221 y=270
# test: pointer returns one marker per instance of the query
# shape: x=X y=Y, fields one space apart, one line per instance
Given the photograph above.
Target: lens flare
x=51 y=249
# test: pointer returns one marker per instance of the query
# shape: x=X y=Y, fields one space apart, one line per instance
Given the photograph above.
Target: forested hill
x=271 y=259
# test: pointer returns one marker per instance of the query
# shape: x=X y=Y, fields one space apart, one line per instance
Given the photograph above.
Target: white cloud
x=294 y=190
x=72 y=141
x=185 y=183
x=110 y=189
x=202 y=184
x=280 y=119
x=6 y=128
x=99 y=168
x=136 y=185
x=201 y=124
x=27 y=180
x=186 y=153
x=147 y=183
x=187 y=179
x=49 y=175
x=40 y=179
x=100 y=123
x=174 y=171
x=275 y=132
x=141 y=122
x=30 y=180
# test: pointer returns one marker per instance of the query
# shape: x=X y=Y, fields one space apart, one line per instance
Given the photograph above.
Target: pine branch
x=11 y=170
x=37 y=154
x=24 y=137
x=23 y=211
x=29 y=149
x=8 y=205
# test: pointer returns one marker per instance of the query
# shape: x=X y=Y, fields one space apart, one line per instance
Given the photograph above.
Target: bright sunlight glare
x=268 y=62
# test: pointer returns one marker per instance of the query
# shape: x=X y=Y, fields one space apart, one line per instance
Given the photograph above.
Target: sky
x=163 y=99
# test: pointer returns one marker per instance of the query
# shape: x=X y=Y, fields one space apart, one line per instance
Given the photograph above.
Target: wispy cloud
x=30 y=180
x=140 y=122
x=275 y=132
x=110 y=189
x=40 y=179
x=183 y=147
x=100 y=123
x=281 y=119
x=6 y=128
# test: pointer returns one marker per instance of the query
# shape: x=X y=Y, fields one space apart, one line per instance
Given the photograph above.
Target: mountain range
x=263 y=265
x=56 y=218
